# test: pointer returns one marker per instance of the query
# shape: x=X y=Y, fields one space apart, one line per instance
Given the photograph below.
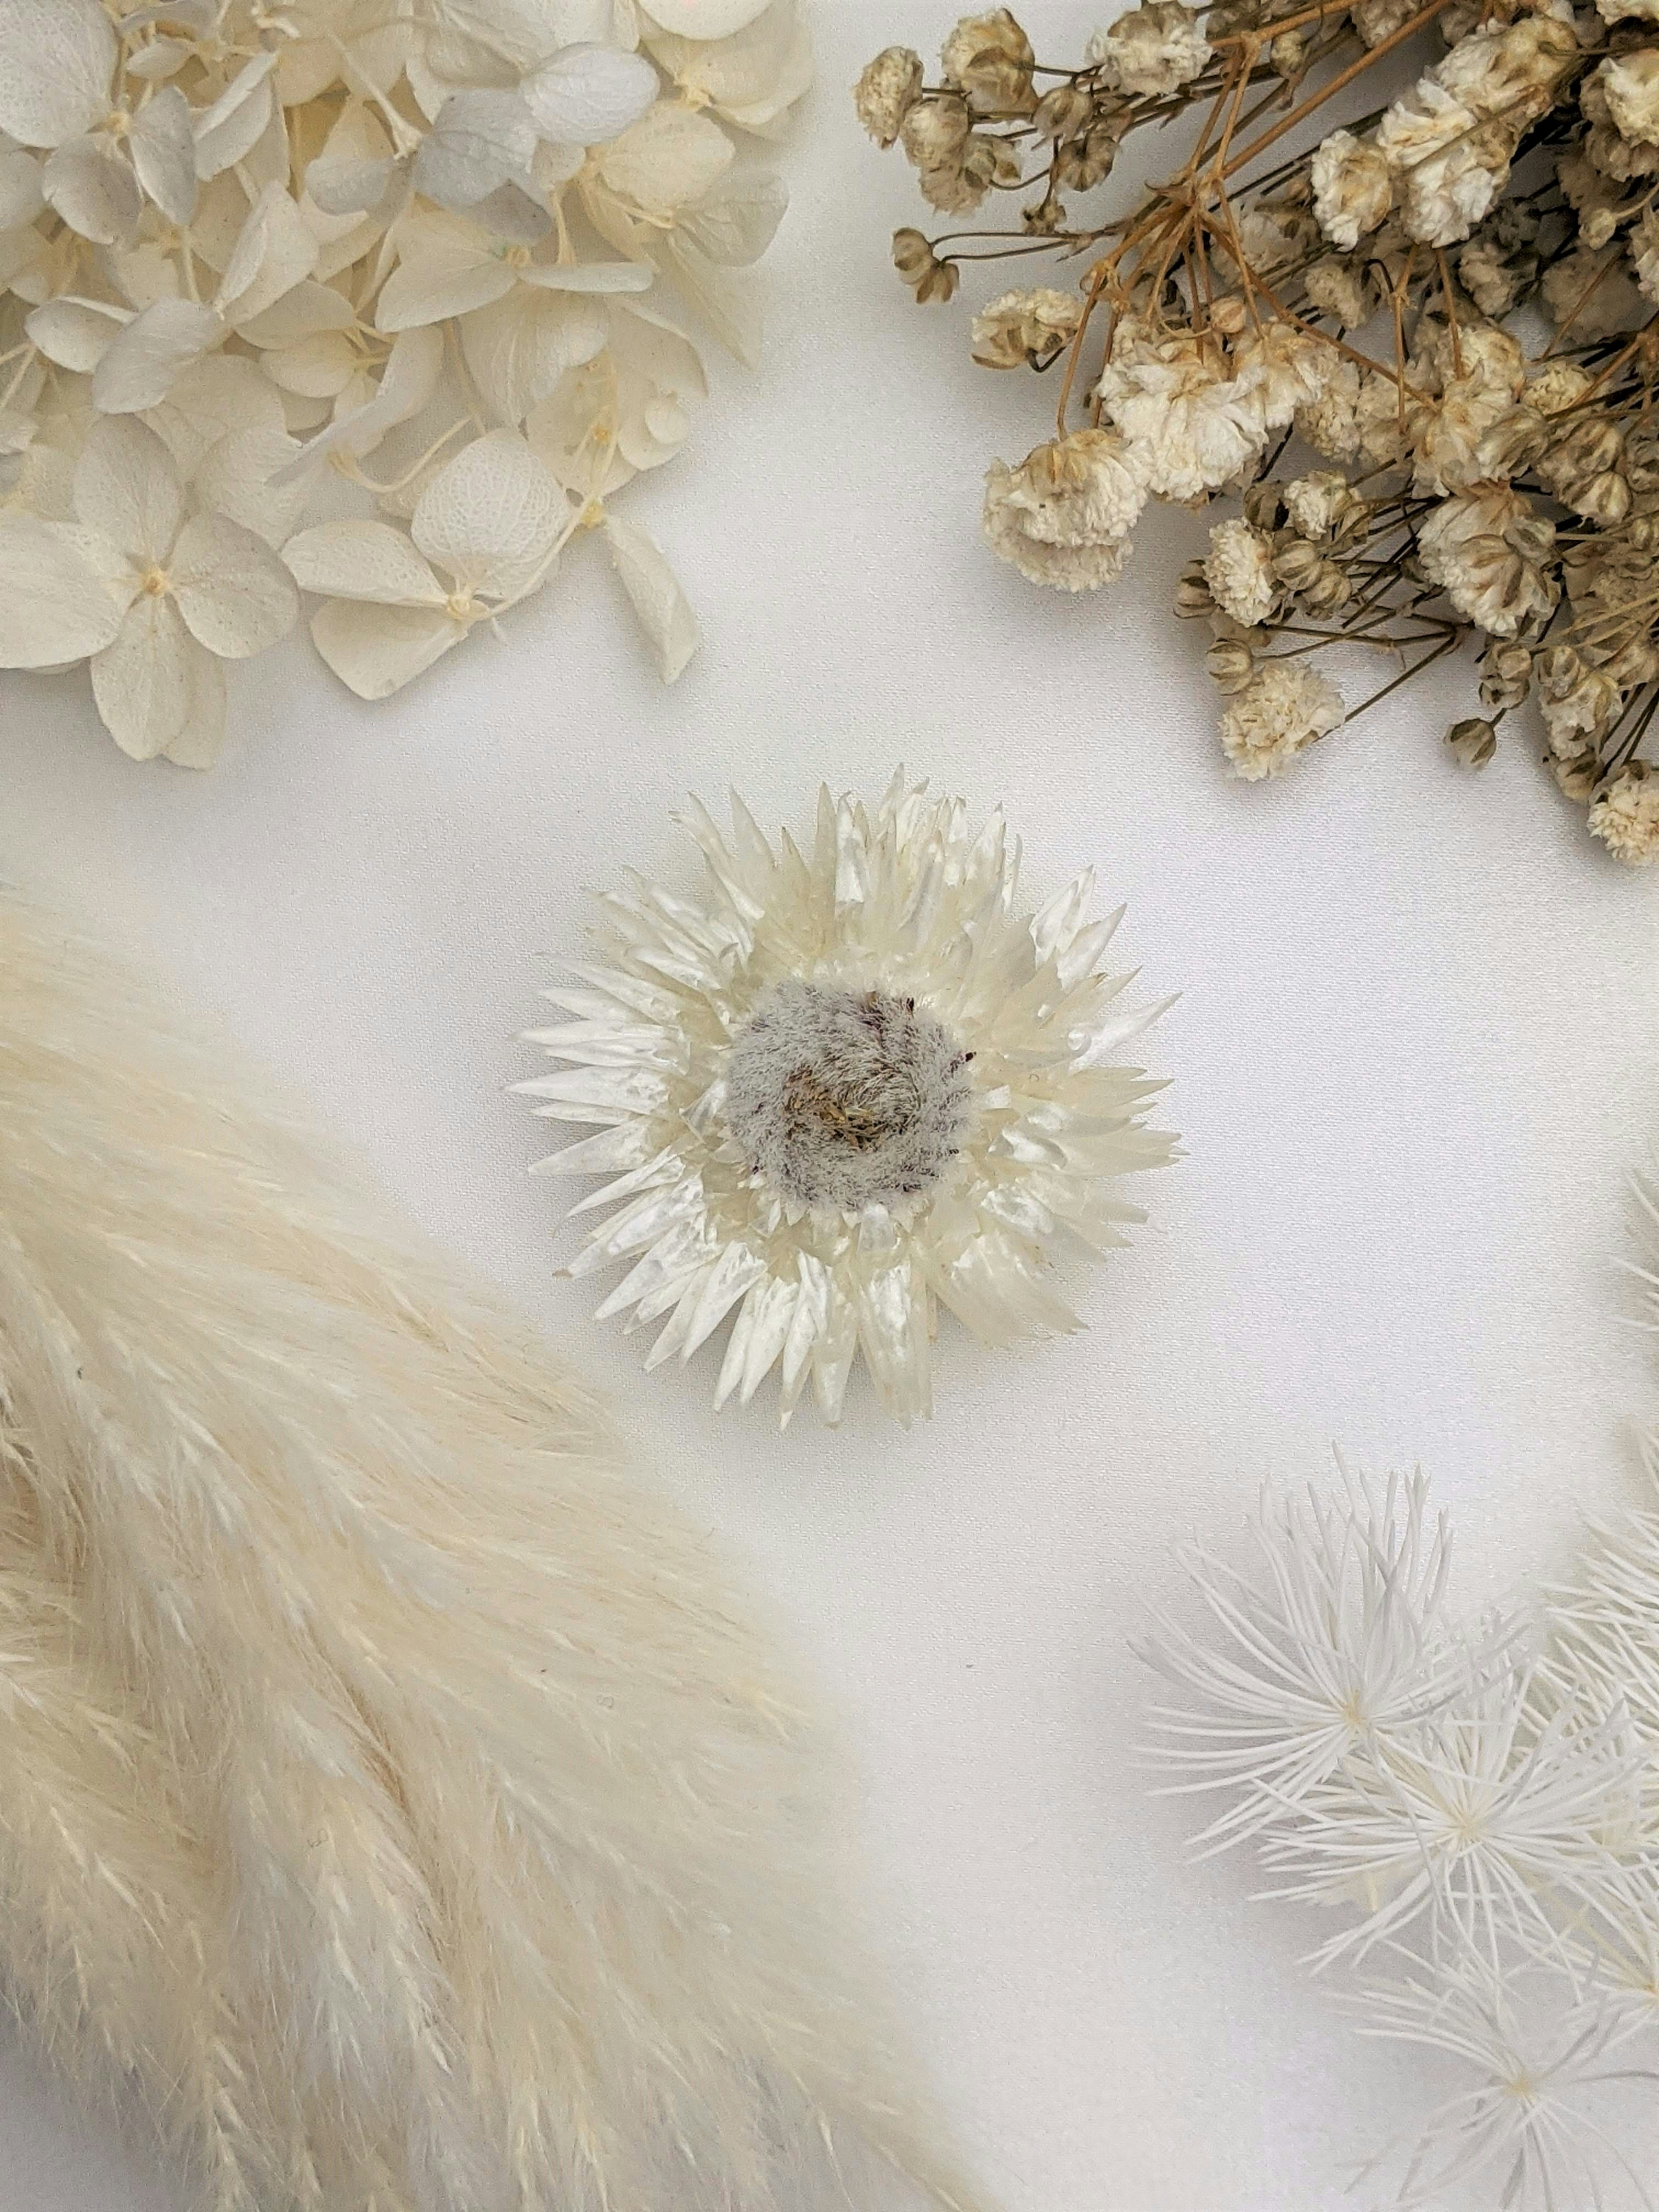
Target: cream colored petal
x=376 y=650
x=142 y=681
x=127 y=485
x=235 y=596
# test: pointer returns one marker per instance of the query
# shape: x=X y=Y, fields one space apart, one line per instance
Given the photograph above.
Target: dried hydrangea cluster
x=1478 y=1809
x=852 y=1084
x=1423 y=352
x=244 y=244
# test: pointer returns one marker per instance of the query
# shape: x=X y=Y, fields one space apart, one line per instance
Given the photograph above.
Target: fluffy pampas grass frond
x=387 y=1787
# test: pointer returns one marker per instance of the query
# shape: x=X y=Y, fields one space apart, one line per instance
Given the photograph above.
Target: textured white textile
x=1417 y=1052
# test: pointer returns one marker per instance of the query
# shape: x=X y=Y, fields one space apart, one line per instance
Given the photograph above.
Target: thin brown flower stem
x=1448 y=644
x=1407 y=29
x=1282 y=24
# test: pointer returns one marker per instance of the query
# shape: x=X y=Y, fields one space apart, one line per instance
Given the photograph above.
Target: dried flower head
x=886 y=92
x=1625 y=814
x=1284 y=709
x=1381 y=295
x=1063 y=517
x=842 y=1090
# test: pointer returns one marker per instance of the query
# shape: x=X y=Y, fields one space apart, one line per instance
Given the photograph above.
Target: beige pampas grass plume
x=388 y=1787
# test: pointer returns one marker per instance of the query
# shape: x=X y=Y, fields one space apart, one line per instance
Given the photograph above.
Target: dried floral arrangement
x=851 y=1085
x=246 y=244
x=1475 y=1807
x=1449 y=302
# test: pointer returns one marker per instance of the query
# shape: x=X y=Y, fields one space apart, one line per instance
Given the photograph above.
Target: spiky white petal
x=900 y=905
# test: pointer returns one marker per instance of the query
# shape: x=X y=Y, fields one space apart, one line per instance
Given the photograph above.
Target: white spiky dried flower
x=846 y=1087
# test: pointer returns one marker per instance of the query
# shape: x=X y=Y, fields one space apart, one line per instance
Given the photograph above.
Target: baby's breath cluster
x=246 y=246
x=1422 y=353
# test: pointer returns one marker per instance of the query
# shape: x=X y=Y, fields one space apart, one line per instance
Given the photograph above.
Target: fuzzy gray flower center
x=845 y=1098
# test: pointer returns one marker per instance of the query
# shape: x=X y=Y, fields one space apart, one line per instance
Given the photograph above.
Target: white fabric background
x=1417 y=1052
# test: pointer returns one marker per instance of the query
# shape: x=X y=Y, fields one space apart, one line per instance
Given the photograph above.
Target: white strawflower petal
x=519 y=348
x=228 y=131
x=706 y=19
x=584 y=95
x=76 y=333
x=376 y=650
x=164 y=154
x=235 y=594
x=55 y=74
x=491 y=516
x=670 y=157
x=362 y=560
x=663 y=609
x=143 y=680
x=54 y=607
x=481 y=139
x=151 y=355
x=127 y=485
x=446 y=267
x=96 y=194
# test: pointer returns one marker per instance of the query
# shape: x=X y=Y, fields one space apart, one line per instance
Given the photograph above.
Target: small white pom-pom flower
x=845 y=1088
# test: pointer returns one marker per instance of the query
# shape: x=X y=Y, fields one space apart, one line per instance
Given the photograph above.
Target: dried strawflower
x=842 y=1090
x=1377 y=295
x=266 y=240
x=889 y=88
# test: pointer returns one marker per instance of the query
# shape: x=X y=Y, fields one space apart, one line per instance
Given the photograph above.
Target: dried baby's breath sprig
x=1344 y=337
x=249 y=247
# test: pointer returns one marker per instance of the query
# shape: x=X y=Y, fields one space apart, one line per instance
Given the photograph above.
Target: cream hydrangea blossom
x=845 y=1087
x=361 y=232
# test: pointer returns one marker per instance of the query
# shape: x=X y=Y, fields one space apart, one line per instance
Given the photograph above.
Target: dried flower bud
x=1296 y=563
x=1577 y=774
x=1604 y=500
x=1635 y=663
x=1228 y=316
x=1264 y=504
x=1559 y=669
x=1231 y=663
x=889 y=88
x=928 y=277
x=1472 y=742
x=1329 y=588
x=1193 y=595
x=1288 y=56
x=1025 y=329
x=991 y=58
x=1064 y=112
x=1087 y=162
x=1319 y=505
x=934 y=131
x=1506 y=674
